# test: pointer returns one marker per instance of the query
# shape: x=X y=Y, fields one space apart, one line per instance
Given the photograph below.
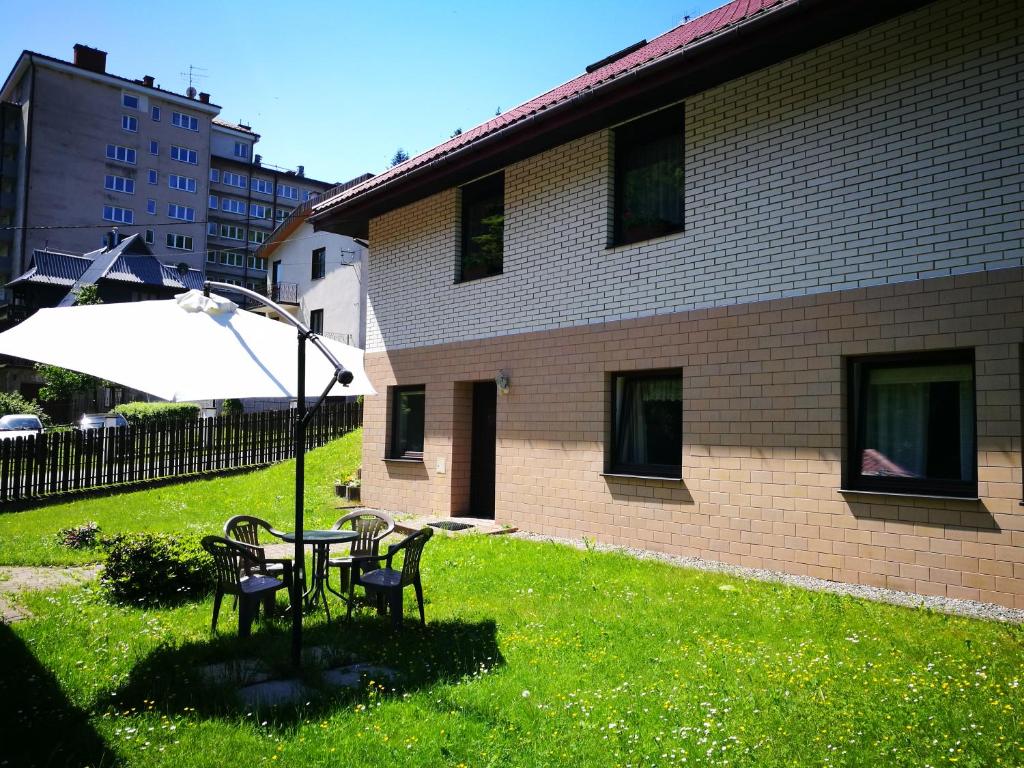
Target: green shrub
x=158 y=413
x=80 y=537
x=155 y=568
x=232 y=407
x=12 y=402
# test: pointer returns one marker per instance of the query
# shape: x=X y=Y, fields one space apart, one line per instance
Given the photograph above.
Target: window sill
x=627 y=476
x=478 y=279
x=634 y=243
x=896 y=494
x=402 y=461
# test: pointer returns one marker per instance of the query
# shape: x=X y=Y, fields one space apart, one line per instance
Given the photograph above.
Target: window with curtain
x=649 y=191
x=647 y=423
x=912 y=424
x=407 y=418
x=483 y=228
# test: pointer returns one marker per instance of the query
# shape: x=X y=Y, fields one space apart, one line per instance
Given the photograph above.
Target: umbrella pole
x=300 y=483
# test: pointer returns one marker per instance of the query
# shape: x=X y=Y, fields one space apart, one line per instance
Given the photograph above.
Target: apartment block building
x=751 y=291
x=84 y=149
x=248 y=199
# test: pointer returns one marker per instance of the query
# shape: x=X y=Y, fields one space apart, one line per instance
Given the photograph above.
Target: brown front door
x=481 y=472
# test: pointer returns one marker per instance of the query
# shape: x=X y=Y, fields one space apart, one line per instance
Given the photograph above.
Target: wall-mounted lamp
x=502 y=381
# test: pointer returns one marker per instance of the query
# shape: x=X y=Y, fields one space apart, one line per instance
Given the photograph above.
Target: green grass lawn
x=534 y=655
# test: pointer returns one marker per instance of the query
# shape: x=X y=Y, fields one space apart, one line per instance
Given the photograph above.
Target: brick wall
x=763 y=419
x=891 y=155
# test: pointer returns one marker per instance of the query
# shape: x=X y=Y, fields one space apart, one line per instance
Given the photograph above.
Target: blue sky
x=338 y=86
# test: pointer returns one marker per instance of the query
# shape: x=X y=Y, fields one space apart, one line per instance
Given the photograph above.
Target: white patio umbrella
x=198 y=347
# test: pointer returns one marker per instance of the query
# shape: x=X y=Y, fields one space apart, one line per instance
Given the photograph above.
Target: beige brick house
x=751 y=292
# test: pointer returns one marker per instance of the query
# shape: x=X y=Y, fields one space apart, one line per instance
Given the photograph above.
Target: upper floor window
x=233 y=206
x=184 y=155
x=182 y=212
x=121 y=154
x=154 y=147
x=184 y=183
x=649 y=189
x=483 y=227
x=154 y=112
x=214 y=174
x=257 y=263
x=129 y=101
x=231 y=232
x=234 y=179
x=912 y=424
x=259 y=211
x=154 y=177
x=307 y=195
x=120 y=215
x=258 y=236
x=119 y=184
x=181 y=120
x=179 y=242
x=214 y=203
x=647 y=423
x=241 y=149
x=281 y=214
x=151 y=206
x=316 y=320
x=150 y=236
x=319 y=263
x=129 y=123
x=292 y=193
x=263 y=185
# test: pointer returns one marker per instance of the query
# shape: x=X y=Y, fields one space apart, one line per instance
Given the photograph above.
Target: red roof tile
x=702 y=27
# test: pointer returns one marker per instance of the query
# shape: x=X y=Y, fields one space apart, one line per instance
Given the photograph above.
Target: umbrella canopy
x=192 y=347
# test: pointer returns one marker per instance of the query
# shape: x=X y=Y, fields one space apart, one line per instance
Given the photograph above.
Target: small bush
x=155 y=568
x=12 y=402
x=232 y=407
x=158 y=413
x=80 y=537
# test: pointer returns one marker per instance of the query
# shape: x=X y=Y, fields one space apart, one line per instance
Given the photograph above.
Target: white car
x=19 y=425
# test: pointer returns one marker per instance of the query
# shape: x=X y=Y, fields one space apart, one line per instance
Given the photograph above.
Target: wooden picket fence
x=63 y=462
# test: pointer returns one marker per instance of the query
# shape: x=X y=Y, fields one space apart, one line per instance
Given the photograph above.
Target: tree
x=62 y=384
x=400 y=157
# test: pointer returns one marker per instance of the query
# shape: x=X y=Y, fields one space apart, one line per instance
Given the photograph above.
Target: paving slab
x=236 y=672
x=353 y=675
x=274 y=693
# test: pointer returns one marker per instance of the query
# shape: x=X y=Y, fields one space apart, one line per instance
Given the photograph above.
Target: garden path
x=15 y=579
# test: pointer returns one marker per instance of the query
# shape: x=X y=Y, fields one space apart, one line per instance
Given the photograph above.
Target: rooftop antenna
x=193 y=74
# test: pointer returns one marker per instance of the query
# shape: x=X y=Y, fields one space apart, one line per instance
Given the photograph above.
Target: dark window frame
x=472 y=194
x=318 y=258
x=316 y=321
x=665 y=122
x=857 y=369
x=396 y=393
x=614 y=467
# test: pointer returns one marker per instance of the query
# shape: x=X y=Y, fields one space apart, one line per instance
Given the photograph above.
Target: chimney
x=148 y=80
x=204 y=97
x=302 y=170
x=92 y=59
x=258 y=159
x=112 y=238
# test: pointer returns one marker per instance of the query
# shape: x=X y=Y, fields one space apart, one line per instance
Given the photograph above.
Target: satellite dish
x=191 y=92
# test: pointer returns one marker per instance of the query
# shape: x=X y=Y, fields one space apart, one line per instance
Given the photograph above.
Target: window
x=154 y=147
x=483 y=227
x=211 y=228
x=129 y=101
x=316 y=324
x=231 y=259
x=281 y=214
x=283 y=190
x=319 y=263
x=179 y=242
x=307 y=195
x=262 y=185
x=912 y=424
x=182 y=120
x=155 y=113
x=121 y=154
x=214 y=174
x=150 y=236
x=186 y=183
x=647 y=424
x=154 y=177
x=275 y=274
x=151 y=206
x=649 y=191
x=234 y=180
x=231 y=232
x=129 y=123
x=120 y=215
x=259 y=211
x=258 y=237
x=119 y=184
x=211 y=257
x=407 y=412
x=258 y=263
x=232 y=206
x=182 y=212
x=214 y=202
x=183 y=155
x=241 y=149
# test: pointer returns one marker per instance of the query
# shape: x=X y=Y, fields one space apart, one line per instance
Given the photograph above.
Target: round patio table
x=321 y=542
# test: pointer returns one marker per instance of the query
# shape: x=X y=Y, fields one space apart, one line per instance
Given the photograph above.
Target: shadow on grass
x=420 y=657
x=39 y=726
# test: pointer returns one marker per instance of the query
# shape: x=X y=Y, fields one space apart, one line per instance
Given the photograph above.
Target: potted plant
x=352 y=489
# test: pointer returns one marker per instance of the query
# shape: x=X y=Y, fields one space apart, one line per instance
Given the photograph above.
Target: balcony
x=284 y=293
